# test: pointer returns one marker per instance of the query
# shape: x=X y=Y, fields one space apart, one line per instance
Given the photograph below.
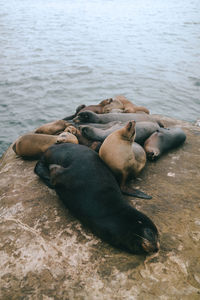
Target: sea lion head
x=85 y=130
x=86 y=117
x=142 y=235
x=128 y=132
x=151 y=145
x=71 y=129
x=66 y=137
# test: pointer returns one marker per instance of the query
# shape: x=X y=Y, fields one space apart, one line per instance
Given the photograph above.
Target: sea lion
x=143 y=131
x=52 y=127
x=93 y=144
x=163 y=140
x=121 y=103
x=91 y=117
x=32 y=145
x=124 y=157
x=98 y=108
x=89 y=190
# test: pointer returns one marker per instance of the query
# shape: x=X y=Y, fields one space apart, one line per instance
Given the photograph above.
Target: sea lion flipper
x=135 y=193
x=75 y=114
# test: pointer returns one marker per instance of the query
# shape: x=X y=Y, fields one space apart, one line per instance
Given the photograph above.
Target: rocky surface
x=48 y=254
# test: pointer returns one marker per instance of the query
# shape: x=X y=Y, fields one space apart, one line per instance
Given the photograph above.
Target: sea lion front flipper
x=135 y=193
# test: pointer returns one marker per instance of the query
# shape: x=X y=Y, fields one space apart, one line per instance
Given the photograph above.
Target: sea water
x=55 y=55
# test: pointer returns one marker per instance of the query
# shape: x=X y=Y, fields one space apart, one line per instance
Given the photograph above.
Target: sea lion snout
x=150 y=247
x=150 y=242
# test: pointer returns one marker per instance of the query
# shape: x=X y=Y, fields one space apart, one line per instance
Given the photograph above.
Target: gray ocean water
x=55 y=55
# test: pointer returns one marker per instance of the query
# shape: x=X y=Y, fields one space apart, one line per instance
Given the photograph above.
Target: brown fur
x=98 y=108
x=52 y=127
x=33 y=144
x=124 y=105
x=124 y=157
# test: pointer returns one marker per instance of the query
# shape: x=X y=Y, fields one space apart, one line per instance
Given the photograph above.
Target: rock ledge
x=47 y=254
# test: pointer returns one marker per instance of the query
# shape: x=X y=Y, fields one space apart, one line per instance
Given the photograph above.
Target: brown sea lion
x=163 y=140
x=75 y=114
x=52 y=127
x=123 y=104
x=89 y=190
x=32 y=145
x=124 y=157
x=98 y=108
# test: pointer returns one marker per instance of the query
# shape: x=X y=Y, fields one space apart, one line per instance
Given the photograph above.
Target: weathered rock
x=48 y=254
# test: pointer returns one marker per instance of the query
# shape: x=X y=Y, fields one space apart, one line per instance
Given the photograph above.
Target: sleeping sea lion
x=52 y=127
x=32 y=145
x=98 y=108
x=143 y=131
x=93 y=144
x=89 y=190
x=123 y=104
x=163 y=140
x=124 y=157
x=91 y=117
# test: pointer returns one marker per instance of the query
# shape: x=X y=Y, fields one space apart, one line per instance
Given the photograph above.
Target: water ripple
x=55 y=55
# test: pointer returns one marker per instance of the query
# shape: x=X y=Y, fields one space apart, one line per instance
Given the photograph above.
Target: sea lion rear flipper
x=135 y=193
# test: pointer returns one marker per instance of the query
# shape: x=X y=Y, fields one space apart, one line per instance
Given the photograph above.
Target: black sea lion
x=162 y=141
x=32 y=145
x=143 y=131
x=91 y=117
x=89 y=190
x=124 y=157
